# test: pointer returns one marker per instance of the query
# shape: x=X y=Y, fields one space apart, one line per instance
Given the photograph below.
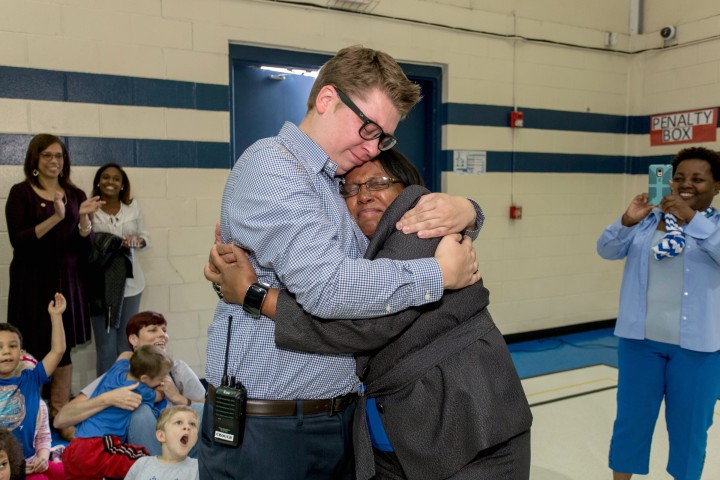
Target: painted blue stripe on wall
x=90 y=151
x=563 y=162
x=542 y=119
x=36 y=84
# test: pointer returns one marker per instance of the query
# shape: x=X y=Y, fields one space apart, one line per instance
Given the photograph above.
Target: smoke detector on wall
x=354 y=5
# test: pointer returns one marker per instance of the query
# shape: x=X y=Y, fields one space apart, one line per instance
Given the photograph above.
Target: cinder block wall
x=542 y=270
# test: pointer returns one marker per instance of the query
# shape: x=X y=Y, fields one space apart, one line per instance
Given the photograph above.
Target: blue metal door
x=261 y=101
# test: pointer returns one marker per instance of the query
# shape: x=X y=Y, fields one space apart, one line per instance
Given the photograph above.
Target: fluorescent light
x=291 y=71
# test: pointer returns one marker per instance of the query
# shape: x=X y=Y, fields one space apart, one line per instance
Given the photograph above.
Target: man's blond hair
x=167 y=414
x=356 y=70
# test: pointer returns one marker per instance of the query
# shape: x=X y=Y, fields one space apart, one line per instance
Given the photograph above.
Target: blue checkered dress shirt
x=281 y=203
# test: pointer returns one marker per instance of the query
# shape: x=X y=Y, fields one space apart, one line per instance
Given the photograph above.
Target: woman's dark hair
x=141 y=320
x=397 y=165
x=38 y=144
x=10 y=445
x=699 y=153
x=125 y=196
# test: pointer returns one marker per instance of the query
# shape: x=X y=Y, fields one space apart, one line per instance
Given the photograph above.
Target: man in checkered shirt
x=281 y=203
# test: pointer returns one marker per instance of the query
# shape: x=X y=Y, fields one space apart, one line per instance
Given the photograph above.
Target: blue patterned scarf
x=673 y=242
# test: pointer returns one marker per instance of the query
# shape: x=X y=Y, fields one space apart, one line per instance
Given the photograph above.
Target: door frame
x=251 y=55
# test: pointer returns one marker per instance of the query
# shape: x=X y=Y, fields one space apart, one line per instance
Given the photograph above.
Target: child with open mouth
x=177 y=432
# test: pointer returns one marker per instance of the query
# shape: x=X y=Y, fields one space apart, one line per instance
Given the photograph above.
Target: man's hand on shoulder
x=438 y=214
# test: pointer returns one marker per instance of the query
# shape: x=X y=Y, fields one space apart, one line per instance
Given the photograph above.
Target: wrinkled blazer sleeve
x=295 y=329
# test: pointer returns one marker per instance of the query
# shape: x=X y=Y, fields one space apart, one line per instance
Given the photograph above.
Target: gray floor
x=573 y=415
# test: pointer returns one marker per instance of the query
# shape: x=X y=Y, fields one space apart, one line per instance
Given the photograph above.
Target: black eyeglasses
x=373 y=183
x=369 y=129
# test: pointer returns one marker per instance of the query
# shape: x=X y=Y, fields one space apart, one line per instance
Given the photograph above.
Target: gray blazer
x=441 y=373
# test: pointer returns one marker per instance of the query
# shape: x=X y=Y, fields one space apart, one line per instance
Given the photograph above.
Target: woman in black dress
x=49 y=229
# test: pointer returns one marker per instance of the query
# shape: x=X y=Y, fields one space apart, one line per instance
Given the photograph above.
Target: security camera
x=668 y=33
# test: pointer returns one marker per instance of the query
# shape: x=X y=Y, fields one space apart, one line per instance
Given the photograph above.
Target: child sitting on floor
x=99 y=449
x=10 y=456
x=177 y=432
x=20 y=401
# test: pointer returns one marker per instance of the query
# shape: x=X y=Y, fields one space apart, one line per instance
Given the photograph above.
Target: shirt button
x=388 y=309
x=684 y=317
x=427 y=295
x=685 y=293
x=380 y=407
x=687 y=269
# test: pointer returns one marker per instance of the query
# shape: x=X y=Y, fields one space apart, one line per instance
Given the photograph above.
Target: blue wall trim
x=127 y=152
x=36 y=84
x=92 y=151
x=542 y=119
x=563 y=162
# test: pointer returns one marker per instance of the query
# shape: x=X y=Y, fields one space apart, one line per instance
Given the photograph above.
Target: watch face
x=254 y=299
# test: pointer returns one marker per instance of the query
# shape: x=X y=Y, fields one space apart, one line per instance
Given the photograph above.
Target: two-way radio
x=229 y=407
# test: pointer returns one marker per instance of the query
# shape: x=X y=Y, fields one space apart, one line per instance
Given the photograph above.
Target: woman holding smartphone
x=120 y=216
x=669 y=318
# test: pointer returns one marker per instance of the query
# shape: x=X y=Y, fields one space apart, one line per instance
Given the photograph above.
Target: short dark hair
x=10 y=445
x=699 y=153
x=141 y=320
x=8 y=327
x=125 y=195
x=40 y=143
x=397 y=165
x=149 y=360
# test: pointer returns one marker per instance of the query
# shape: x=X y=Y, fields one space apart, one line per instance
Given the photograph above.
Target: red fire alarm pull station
x=515 y=212
x=516 y=119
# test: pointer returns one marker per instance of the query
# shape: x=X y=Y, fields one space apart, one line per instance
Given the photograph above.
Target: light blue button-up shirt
x=700 y=304
x=281 y=203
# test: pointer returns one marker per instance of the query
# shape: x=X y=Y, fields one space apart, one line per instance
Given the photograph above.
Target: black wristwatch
x=255 y=297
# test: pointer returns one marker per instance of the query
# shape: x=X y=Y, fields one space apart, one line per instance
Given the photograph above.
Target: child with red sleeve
x=99 y=449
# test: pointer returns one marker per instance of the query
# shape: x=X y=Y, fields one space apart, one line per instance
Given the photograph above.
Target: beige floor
x=573 y=414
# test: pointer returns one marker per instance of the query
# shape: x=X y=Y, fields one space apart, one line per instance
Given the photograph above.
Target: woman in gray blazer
x=442 y=398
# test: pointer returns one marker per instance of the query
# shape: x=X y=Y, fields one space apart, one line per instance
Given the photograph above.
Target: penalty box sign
x=693 y=126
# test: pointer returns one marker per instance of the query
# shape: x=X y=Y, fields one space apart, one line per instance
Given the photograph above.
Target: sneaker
x=56 y=453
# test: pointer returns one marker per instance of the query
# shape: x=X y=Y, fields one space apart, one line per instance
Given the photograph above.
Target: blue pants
x=282 y=448
x=689 y=382
x=108 y=345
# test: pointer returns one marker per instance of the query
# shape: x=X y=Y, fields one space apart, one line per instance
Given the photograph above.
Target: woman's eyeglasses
x=369 y=129
x=50 y=156
x=374 y=184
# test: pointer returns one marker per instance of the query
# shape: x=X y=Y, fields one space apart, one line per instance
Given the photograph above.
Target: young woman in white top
x=120 y=215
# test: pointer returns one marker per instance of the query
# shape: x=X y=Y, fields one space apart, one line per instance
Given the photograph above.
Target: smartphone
x=659 y=177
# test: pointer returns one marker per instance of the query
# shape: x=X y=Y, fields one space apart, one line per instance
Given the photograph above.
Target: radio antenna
x=227 y=352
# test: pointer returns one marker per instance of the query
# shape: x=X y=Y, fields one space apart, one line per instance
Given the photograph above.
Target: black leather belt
x=289 y=408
